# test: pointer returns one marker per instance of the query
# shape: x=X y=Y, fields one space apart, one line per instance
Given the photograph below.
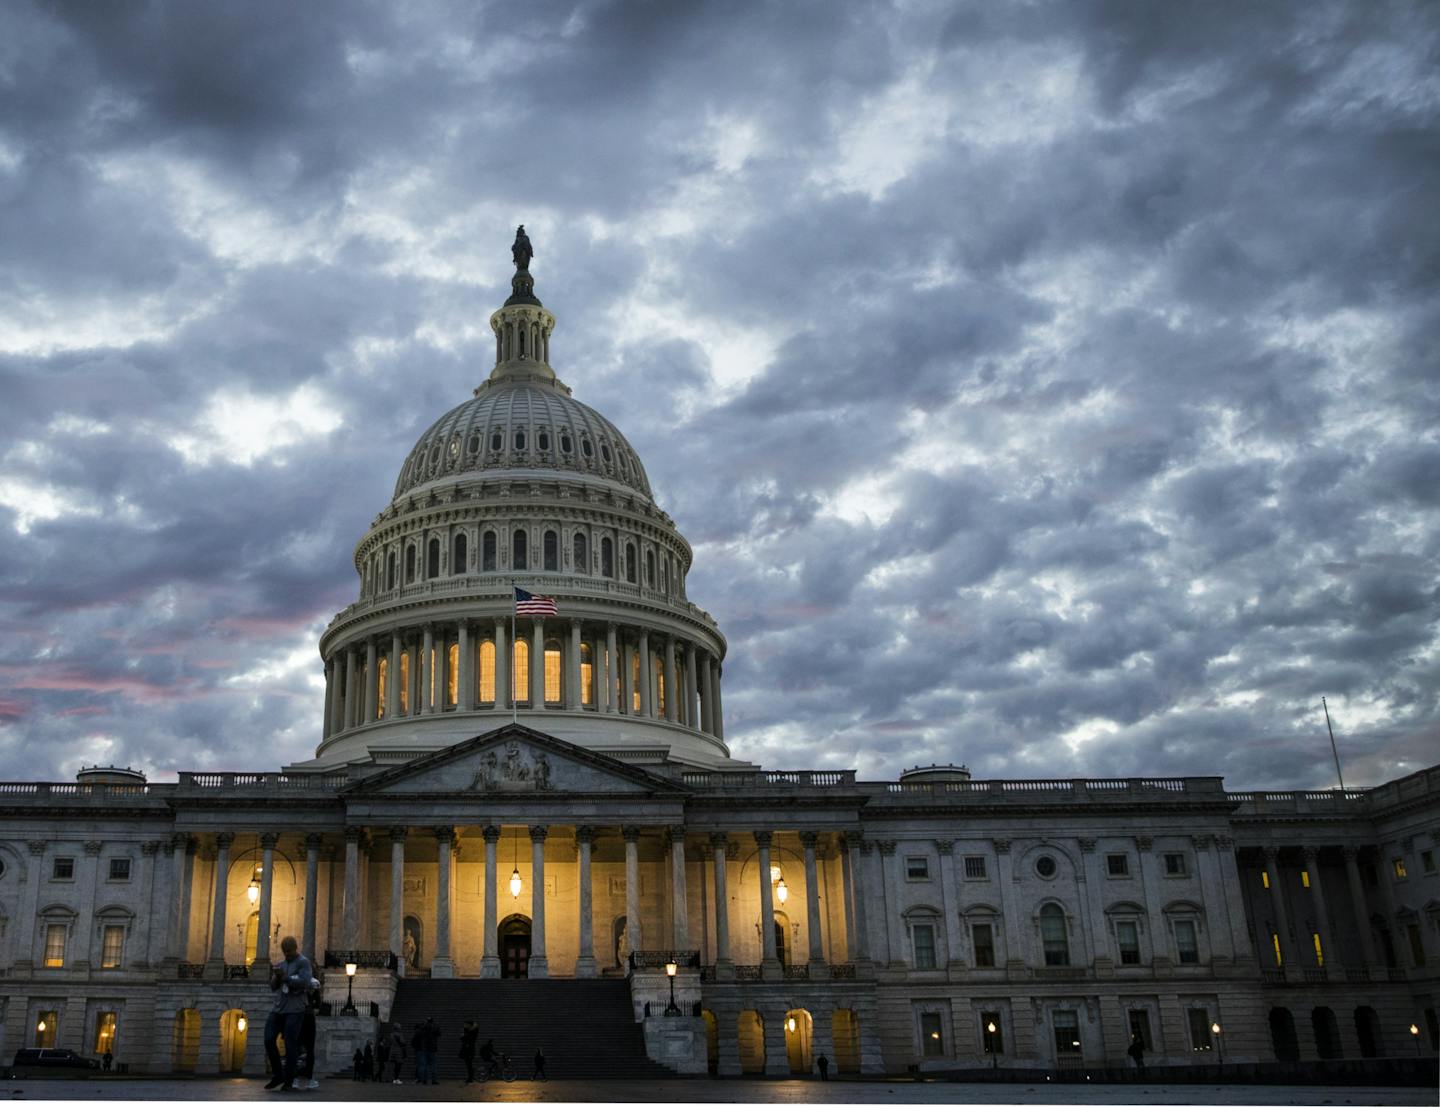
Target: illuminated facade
x=547 y=796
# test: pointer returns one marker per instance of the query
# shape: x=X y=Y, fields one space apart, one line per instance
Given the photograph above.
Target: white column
x=847 y=894
x=609 y=663
x=627 y=679
x=680 y=912
x=672 y=690
x=328 y=723
x=707 y=694
x=312 y=894
x=372 y=680
x=1357 y=903
x=397 y=894
x=1282 y=915
x=722 y=905
x=632 y=886
x=442 y=966
x=352 y=887
x=812 y=903
x=692 y=690
x=572 y=668
x=717 y=713
x=854 y=872
x=465 y=679
x=647 y=677
x=392 y=678
x=490 y=962
x=769 y=959
x=427 y=678
x=267 y=892
x=502 y=667
x=1322 y=917
x=349 y=707
x=537 y=679
x=181 y=851
x=217 y=914
x=585 y=964
x=539 y=967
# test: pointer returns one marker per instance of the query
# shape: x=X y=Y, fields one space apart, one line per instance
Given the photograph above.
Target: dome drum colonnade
x=523 y=485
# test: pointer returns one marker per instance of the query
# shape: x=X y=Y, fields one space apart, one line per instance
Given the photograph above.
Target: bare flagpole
x=1333 y=748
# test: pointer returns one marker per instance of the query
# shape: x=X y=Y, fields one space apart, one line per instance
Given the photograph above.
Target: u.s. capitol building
x=497 y=799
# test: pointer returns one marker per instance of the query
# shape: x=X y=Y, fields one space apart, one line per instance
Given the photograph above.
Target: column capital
x=1202 y=841
x=808 y=838
x=178 y=840
x=718 y=839
x=1001 y=845
x=630 y=833
x=1270 y=853
x=353 y=834
x=223 y=839
x=1143 y=843
x=445 y=834
x=887 y=847
x=675 y=836
x=1309 y=853
x=399 y=833
x=763 y=838
x=269 y=840
x=851 y=839
x=314 y=841
x=584 y=834
x=93 y=848
x=539 y=833
x=36 y=847
x=945 y=847
x=1224 y=841
x=1351 y=854
x=150 y=849
x=1087 y=845
x=491 y=833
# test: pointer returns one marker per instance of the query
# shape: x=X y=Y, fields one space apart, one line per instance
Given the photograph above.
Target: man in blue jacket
x=290 y=981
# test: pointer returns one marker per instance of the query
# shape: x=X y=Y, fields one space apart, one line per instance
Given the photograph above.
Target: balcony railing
x=264 y=782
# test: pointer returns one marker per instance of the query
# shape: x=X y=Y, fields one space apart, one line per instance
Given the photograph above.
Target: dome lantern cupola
x=522 y=326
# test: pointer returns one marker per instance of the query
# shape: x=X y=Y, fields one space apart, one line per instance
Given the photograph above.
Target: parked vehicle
x=52 y=1062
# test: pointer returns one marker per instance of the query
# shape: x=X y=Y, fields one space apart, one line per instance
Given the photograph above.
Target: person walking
x=290 y=981
x=467 y=1048
x=1137 y=1051
x=308 y=1028
x=397 y=1051
x=358 y=1064
x=382 y=1057
x=823 y=1064
x=367 y=1064
x=539 y=1073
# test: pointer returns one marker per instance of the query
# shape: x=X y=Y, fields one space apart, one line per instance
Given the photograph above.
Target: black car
x=52 y=1062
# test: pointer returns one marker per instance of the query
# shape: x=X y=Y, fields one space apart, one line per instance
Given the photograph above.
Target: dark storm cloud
x=1051 y=387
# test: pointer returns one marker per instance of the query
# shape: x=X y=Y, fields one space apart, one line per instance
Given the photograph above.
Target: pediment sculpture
x=518 y=769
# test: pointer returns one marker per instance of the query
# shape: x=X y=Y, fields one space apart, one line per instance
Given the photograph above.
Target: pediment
x=514 y=761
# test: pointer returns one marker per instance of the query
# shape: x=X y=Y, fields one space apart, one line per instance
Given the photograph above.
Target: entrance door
x=515 y=947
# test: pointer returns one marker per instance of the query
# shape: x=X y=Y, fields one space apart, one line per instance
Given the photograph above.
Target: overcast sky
x=1048 y=387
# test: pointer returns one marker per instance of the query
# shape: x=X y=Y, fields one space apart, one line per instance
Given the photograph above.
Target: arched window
x=409 y=564
x=522 y=341
x=664 y=576
x=552 y=670
x=552 y=551
x=607 y=558
x=457 y=556
x=497 y=440
x=565 y=444
x=520 y=671
x=519 y=439
x=542 y=439
x=519 y=553
x=587 y=675
x=585 y=447
x=1053 y=936
x=486 y=683
x=432 y=559
x=649 y=568
x=452 y=675
x=390 y=570
x=630 y=562
x=582 y=553
x=487 y=552
x=472 y=445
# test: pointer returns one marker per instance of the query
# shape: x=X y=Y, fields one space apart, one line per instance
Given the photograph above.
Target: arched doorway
x=1327 y=1033
x=712 y=1041
x=1367 y=1029
x=782 y=937
x=514 y=943
x=845 y=1030
x=185 y=1040
x=751 y=1029
x=799 y=1028
x=234 y=1034
x=1282 y=1034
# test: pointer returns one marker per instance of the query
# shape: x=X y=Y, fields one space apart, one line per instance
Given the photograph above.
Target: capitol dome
x=522 y=488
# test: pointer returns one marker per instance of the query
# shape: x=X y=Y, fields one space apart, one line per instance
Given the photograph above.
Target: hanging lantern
x=40 y=1026
x=782 y=891
x=515 y=883
x=252 y=893
x=790 y=1024
x=241 y=1024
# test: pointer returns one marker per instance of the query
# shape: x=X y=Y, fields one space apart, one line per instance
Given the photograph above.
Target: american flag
x=526 y=604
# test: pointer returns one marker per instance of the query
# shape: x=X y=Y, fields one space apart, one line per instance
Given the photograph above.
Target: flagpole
x=1333 y=749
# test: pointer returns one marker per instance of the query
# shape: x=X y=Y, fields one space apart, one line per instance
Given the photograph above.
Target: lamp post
x=1414 y=1037
x=671 y=968
x=1219 y=1045
x=994 y=1057
x=349 y=1008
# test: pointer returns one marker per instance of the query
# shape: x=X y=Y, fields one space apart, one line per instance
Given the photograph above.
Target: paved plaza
x=728 y=1091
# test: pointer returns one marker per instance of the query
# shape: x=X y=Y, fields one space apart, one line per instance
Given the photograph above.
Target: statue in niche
x=521 y=251
x=411 y=950
x=622 y=942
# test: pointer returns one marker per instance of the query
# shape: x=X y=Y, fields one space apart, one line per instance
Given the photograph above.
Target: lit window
x=932 y=1035
x=520 y=671
x=119 y=868
x=487 y=671
x=1319 y=950
x=63 y=869
x=982 y=936
x=635 y=682
x=46 y=1029
x=974 y=867
x=923 y=935
x=105 y=1033
x=1053 y=935
x=1174 y=864
x=404 y=682
x=917 y=868
x=382 y=686
x=452 y=674
x=1199 y=1020
x=1275 y=945
x=587 y=675
x=1117 y=864
x=55 y=946
x=113 y=947
x=1264 y=879
x=1185 y=943
x=1127 y=936
x=1397 y=865
x=659 y=687
x=552 y=671
x=1304 y=878
x=1067 y=1033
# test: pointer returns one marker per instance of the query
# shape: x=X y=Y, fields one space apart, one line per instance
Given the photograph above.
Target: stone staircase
x=587 y=1028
